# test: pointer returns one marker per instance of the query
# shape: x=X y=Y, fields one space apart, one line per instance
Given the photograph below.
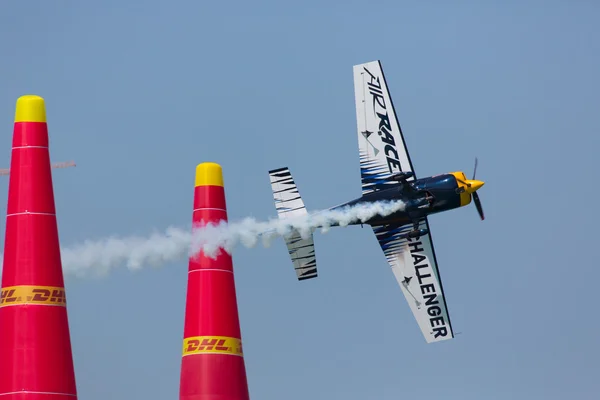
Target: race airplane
x=387 y=173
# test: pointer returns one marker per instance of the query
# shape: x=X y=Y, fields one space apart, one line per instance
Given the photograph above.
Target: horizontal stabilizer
x=285 y=193
x=289 y=204
x=302 y=252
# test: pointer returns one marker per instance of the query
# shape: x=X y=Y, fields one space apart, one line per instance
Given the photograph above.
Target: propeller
x=476 y=196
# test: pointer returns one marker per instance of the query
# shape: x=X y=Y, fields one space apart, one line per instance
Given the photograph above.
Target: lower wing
x=414 y=264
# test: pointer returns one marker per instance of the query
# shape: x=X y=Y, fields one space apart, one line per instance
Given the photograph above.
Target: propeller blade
x=475 y=169
x=478 y=205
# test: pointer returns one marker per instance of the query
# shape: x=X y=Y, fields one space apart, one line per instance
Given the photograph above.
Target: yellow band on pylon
x=212 y=344
x=30 y=108
x=209 y=173
x=28 y=294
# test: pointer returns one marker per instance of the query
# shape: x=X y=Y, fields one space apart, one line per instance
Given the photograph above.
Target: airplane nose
x=474 y=185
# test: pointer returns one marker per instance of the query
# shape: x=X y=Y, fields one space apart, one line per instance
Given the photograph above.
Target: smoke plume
x=98 y=257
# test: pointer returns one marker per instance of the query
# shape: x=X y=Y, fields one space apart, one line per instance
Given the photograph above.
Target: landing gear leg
x=416 y=232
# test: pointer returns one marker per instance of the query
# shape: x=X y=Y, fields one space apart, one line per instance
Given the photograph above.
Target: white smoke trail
x=98 y=257
x=223 y=235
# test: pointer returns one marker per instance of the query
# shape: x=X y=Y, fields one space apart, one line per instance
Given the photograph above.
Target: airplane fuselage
x=422 y=197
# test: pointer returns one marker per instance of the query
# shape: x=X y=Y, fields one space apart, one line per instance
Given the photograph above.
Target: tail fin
x=289 y=204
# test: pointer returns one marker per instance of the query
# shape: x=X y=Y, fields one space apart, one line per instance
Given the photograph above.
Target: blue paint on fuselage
x=443 y=188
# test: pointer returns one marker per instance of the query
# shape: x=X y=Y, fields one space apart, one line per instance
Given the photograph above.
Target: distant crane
x=67 y=164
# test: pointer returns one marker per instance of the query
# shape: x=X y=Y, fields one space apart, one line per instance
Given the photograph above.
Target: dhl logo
x=212 y=344
x=47 y=295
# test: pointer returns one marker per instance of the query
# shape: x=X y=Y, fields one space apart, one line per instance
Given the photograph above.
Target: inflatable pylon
x=212 y=365
x=36 y=362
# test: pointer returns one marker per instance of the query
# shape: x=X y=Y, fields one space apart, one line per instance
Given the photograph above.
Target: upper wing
x=415 y=267
x=382 y=148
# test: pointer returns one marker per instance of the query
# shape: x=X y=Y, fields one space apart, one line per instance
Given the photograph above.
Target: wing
x=415 y=266
x=382 y=148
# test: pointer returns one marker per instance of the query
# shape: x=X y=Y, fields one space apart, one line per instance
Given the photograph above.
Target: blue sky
x=139 y=94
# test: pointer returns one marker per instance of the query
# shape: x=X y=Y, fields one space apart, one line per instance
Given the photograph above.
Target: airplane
x=6 y=171
x=387 y=173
